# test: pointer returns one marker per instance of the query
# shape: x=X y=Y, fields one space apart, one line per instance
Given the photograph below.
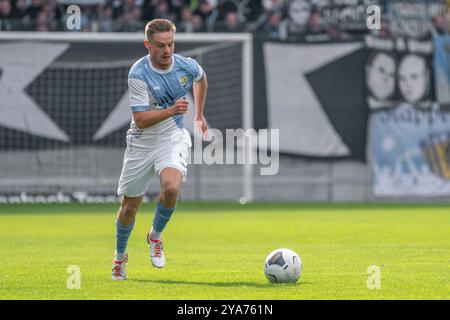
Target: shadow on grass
x=222 y=284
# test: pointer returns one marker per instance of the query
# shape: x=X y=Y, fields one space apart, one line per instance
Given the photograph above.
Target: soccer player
x=156 y=141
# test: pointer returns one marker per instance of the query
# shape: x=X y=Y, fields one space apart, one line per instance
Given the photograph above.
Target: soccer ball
x=283 y=266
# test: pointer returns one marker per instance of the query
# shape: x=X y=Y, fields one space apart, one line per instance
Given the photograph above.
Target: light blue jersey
x=152 y=88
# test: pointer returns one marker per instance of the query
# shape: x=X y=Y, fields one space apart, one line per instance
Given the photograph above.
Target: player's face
x=413 y=81
x=380 y=77
x=161 y=47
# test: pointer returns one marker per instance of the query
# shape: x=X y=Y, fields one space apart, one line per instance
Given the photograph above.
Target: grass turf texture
x=216 y=251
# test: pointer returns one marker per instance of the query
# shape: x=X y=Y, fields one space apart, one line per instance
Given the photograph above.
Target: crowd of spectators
x=131 y=15
x=272 y=18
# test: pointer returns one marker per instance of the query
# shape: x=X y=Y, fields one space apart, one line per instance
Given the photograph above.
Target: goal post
x=67 y=133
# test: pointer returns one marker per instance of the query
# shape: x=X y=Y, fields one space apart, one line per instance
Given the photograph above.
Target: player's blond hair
x=159 y=25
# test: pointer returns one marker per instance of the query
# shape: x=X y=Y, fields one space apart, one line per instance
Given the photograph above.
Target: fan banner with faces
x=410 y=151
x=398 y=70
x=409 y=132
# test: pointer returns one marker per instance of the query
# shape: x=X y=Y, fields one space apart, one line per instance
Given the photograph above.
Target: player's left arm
x=199 y=89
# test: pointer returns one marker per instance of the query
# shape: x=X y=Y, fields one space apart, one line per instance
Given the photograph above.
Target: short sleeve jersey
x=151 y=88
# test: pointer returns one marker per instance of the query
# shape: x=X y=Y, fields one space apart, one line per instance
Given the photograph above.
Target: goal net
x=64 y=112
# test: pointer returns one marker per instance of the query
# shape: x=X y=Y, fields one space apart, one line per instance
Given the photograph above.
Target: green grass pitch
x=216 y=251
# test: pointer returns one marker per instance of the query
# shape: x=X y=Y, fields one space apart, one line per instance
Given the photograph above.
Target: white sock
x=119 y=256
x=155 y=235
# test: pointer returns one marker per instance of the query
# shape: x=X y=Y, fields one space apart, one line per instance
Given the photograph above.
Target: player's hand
x=179 y=107
x=201 y=125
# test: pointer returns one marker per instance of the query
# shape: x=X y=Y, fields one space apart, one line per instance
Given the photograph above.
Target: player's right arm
x=141 y=100
x=146 y=119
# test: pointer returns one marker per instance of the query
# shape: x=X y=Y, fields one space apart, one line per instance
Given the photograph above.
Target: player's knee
x=129 y=209
x=170 y=191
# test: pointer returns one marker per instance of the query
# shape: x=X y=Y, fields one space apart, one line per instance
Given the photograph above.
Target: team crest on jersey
x=183 y=81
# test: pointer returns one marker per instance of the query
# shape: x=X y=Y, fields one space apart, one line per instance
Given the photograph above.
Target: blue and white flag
x=442 y=68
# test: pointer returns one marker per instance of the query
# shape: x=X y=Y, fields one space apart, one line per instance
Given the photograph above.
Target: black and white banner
x=315 y=97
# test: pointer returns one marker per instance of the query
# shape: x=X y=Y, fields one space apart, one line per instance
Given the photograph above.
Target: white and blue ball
x=283 y=266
